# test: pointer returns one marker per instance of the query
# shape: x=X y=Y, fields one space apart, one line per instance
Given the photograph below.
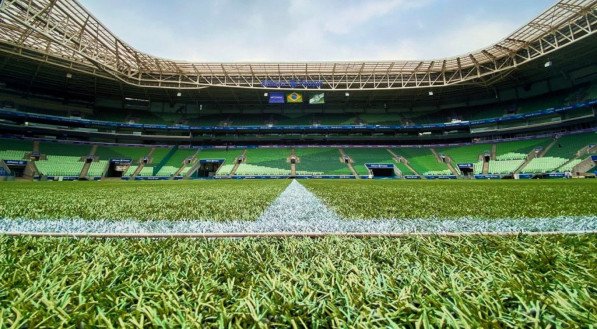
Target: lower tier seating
x=56 y=165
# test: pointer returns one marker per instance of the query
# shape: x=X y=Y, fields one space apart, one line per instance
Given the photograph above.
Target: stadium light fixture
x=69 y=75
x=265 y=94
x=548 y=64
x=178 y=94
x=347 y=94
x=430 y=93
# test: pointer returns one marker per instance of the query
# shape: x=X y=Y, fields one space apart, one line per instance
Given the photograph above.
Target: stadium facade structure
x=59 y=67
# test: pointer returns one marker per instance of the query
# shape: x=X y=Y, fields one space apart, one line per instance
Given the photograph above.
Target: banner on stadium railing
x=16 y=162
x=294 y=98
x=276 y=98
x=465 y=166
x=379 y=165
x=121 y=161
x=211 y=161
x=317 y=99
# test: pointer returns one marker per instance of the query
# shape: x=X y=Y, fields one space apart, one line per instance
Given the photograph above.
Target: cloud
x=312 y=30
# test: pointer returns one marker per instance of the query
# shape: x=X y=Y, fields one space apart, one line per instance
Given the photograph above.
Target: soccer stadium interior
x=77 y=103
x=67 y=116
x=138 y=191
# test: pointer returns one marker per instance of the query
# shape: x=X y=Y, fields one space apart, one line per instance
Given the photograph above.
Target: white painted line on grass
x=299 y=212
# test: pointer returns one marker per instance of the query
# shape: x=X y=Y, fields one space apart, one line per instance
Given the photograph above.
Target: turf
x=479 y=282
x=458 y=199
x=173 y=200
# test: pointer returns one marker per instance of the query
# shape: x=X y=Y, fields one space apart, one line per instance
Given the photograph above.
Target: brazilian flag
x=294 y=98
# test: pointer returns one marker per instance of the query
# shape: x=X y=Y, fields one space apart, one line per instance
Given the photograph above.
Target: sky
x=312 y=30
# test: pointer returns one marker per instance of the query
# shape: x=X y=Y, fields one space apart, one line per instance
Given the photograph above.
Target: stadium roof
x=63 y=33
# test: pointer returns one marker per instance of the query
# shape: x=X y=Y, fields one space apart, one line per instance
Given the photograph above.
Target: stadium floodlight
x=548 y=64
x=69 y=75
x=178 y=94
x=347 y=94
x=265 y=94
x=430 y=93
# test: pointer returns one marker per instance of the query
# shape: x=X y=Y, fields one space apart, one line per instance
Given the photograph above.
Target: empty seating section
x=423 y=161
x=97 y=168
x=246 y=169
x=14 y=149
x=361 y=156
x=60 y=165
x=146 y=171
x=519 y=147
x=176 y=161
x=130 y=171
x=504 y=167
x=567 y=146
x=272 y=161
x=73 y=150
x=320 y=161
x=511 y=156
x=156 y=157
x=544 y=165
x=61 y=159
x=404 y=169
x=229 y=157
x=122 y=152
x=465 y=154
x=569 y=165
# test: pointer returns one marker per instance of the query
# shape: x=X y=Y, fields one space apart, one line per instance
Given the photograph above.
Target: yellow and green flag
x=294 y=98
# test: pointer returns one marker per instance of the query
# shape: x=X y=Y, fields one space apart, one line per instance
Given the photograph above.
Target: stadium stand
x=12 y=149
x=504 y=167
x=265 y=162
x=361 y=156
x=544 y=165
x=61 y=159
x=97 y=168
x=122 y=152
x=228 y=156
x=567 y=146
x=172 y=164
x=59 y=165
x=320 y=161
x=423 y=161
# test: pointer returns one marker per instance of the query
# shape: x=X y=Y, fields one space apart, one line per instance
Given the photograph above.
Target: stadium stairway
x=292 y=165
x=493 y=152
x=36 y=147
x=402 y=160
x=343 y=156
x=583 y=167
x=532 y=154
x=447 y=161
x=180 y=171
x=85 y=170
x=486 y=167
x=240 y=159
x=164 y=161
x=547 y=148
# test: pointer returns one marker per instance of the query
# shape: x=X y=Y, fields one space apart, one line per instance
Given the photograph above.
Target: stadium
x=143 y=191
